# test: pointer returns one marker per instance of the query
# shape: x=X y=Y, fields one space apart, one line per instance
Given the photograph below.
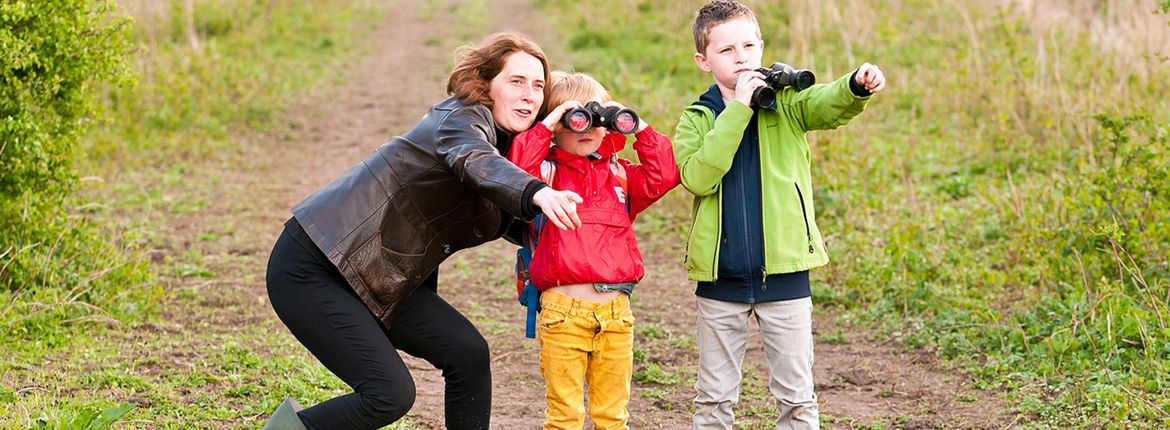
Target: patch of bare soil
x=860 y=382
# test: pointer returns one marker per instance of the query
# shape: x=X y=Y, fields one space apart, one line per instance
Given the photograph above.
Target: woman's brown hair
x=476 y=65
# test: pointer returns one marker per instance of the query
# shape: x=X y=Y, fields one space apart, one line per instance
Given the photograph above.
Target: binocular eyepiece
x=777 y=77
x=593 y=114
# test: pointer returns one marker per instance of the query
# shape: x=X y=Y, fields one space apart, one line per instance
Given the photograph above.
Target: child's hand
x=641 y=123
x=871 y=77
x=555 y=115
x=746 y=85
x=559 y=206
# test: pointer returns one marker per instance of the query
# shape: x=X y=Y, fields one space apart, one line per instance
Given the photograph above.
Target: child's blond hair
x=575 y=86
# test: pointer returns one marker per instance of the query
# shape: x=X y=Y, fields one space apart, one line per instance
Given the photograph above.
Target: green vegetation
x=55 y=268
x=246 y=58
x=1003 y=202
x=53 y=52
x=93 y=102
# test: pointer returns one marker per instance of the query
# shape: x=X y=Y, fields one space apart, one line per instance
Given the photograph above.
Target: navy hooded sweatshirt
x=741 y=244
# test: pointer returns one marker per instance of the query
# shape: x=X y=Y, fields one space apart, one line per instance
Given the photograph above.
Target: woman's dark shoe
x=285 y=417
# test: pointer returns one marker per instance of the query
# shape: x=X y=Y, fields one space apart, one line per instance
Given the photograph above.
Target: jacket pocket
x=384 y=273
x=702 y=241
x=403 y=227
x=602 y=249
x=804 y=216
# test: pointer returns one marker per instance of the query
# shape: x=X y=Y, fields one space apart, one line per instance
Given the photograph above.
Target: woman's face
x=517 y=92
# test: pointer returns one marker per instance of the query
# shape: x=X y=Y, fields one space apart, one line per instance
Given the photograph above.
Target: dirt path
x=861 y=382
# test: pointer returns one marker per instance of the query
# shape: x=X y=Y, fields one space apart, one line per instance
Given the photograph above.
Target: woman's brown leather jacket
x=390 y=220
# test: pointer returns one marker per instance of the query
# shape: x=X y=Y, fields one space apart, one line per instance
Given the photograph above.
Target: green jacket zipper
x=804 y=213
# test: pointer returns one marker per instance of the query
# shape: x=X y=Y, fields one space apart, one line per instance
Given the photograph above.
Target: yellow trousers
x=585 y=343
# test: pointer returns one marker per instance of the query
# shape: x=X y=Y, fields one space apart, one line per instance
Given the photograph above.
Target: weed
x=652 y=374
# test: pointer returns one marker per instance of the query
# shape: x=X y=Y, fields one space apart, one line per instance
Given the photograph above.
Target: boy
x=753 y=235
x=586 y=274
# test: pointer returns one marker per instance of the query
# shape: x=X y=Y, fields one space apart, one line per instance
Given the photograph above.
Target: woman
x=354 y=274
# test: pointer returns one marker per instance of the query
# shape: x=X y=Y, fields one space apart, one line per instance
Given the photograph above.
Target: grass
x=78 y=361
x=999 y=203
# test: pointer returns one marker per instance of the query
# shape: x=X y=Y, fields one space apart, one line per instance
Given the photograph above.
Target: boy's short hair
x=715 y=13
x=574 y=86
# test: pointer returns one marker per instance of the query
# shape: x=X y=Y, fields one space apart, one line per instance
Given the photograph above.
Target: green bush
x=53 y=52
x=53 y=266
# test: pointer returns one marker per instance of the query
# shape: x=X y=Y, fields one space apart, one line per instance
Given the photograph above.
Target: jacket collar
x=713 y=99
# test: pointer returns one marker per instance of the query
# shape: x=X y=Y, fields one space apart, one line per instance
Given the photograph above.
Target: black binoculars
x=593 y=114
x=777 y=77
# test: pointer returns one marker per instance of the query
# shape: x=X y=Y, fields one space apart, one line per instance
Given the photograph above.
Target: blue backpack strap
x=529 y=295
x=533 y=299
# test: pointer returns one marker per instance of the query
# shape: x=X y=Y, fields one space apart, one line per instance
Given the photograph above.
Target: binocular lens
x=804 y=79
x=626 y=122
x=579 y=121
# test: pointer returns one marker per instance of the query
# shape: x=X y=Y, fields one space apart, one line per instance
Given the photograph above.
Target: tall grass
x=203 y=83
x=1001 y=202
x=187 y=101
x=55 y=268
x=208 y=67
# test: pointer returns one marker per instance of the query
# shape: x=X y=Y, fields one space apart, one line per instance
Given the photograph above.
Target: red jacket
x=603 y=249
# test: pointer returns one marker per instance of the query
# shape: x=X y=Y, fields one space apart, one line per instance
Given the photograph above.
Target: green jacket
x=704 y=149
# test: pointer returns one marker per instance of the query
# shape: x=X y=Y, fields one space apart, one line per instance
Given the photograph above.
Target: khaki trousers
x=786 y=327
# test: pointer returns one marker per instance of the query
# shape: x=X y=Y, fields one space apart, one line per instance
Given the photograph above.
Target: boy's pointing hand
x=871 y=77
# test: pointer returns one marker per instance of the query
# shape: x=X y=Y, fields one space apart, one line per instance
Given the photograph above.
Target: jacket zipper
x=804 y=213
x=763 y=236
x=747 y=244
x=718 y=242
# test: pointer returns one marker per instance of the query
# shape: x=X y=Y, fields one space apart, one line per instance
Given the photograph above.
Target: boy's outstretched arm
x=656 y=174
x=831 y=105
x=704 y=151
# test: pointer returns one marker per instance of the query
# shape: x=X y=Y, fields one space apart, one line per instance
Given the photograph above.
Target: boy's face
x=733 y=47
x=579 y=143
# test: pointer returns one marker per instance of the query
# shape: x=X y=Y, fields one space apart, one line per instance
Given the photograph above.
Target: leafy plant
x=89 y=419
x=651 y=373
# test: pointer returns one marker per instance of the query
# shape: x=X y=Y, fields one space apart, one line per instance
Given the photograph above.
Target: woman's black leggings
x=322 y=311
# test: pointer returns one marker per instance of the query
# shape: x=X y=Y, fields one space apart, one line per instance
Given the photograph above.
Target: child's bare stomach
x=585 y=292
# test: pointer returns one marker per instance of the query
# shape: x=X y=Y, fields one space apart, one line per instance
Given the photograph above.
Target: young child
x=586 y=274
x=753 y=235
